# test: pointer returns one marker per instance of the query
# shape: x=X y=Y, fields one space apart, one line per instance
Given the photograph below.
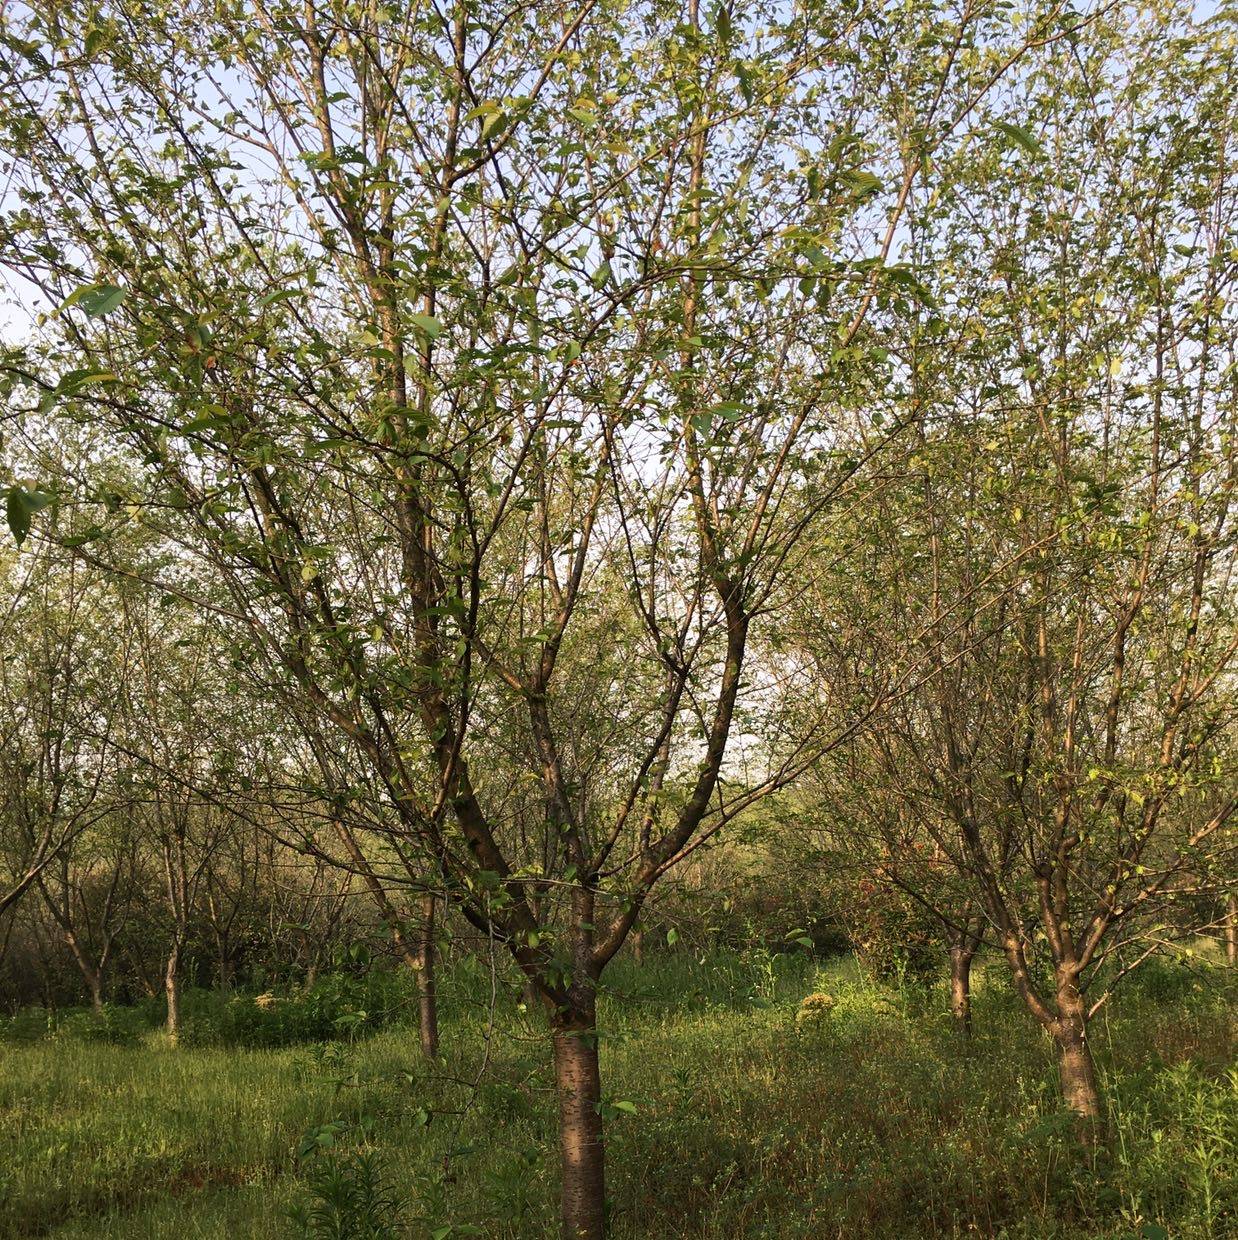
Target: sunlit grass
x=871 y=1120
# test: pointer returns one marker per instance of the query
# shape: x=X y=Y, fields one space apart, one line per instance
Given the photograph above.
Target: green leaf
x=672 y=937
x=20 y=505
x=745 y=83
x=427 y=324
x=1018 y=136
x=96 y=299
x=862 y=184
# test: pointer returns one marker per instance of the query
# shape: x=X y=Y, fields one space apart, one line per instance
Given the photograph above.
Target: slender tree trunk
x=172 y=988
x=427 y=995
x=962 y=951
x=421 y=960
x=638 y=945
x=1231 y=929
x=1076 y=1068
x=579 y=1085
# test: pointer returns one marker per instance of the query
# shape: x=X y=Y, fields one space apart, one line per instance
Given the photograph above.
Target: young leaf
x=426 y=323
x=96 y=299
x=1018 y=136
x=20 y=506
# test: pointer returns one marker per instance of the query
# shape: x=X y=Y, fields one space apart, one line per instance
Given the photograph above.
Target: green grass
x=870 y=1121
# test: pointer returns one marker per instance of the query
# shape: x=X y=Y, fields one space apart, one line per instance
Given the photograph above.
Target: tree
x=1061 y=544
x=58 y=765
x=443 y=340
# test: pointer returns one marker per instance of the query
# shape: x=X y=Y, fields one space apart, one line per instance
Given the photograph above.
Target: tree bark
x=579 y=1084
x=93 y=976
x=1231 y=930
x=1076 y=1068
x=172 y=988
x=638 y=945
x=961 y=954
x=427 y=995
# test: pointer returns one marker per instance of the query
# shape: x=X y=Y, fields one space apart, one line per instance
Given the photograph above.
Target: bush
x=114 y=1025
x=31 y=1024
x=895 y=937
x=1166 y=979
x=339 y=1006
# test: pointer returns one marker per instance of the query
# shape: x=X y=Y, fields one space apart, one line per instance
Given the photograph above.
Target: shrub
x=348 y=1199
x=814 y=1008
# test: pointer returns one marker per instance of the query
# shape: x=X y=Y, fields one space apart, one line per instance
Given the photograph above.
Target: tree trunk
x=93 y=976
x=172 y=988
x=638 y=945
x=579 y=1084
x=1076 y=1068
x=1231 y=930
x=961 y=955
x=427 y=995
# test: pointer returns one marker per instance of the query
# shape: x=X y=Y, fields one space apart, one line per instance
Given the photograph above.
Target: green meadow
x=733 y=1109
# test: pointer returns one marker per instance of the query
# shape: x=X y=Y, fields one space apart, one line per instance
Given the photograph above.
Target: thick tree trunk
x=961 y=955
x=579 y=1085
x=427 y=995
x=1231 y=930
x=172 y=988
x=1076 y=1068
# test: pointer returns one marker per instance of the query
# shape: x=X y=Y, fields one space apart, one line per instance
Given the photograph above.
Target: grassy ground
x=869 y=1121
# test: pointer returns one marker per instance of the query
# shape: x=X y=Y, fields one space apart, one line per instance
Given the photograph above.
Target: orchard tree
x=59 y=767
x=421 y=327
x=1060 y=543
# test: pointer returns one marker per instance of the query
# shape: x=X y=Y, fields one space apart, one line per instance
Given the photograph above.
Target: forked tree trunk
x=93 y=976
x=962 y=952
x=427 y=995
x=172 y=988
x=1076 y=1068
x=579 y=1085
